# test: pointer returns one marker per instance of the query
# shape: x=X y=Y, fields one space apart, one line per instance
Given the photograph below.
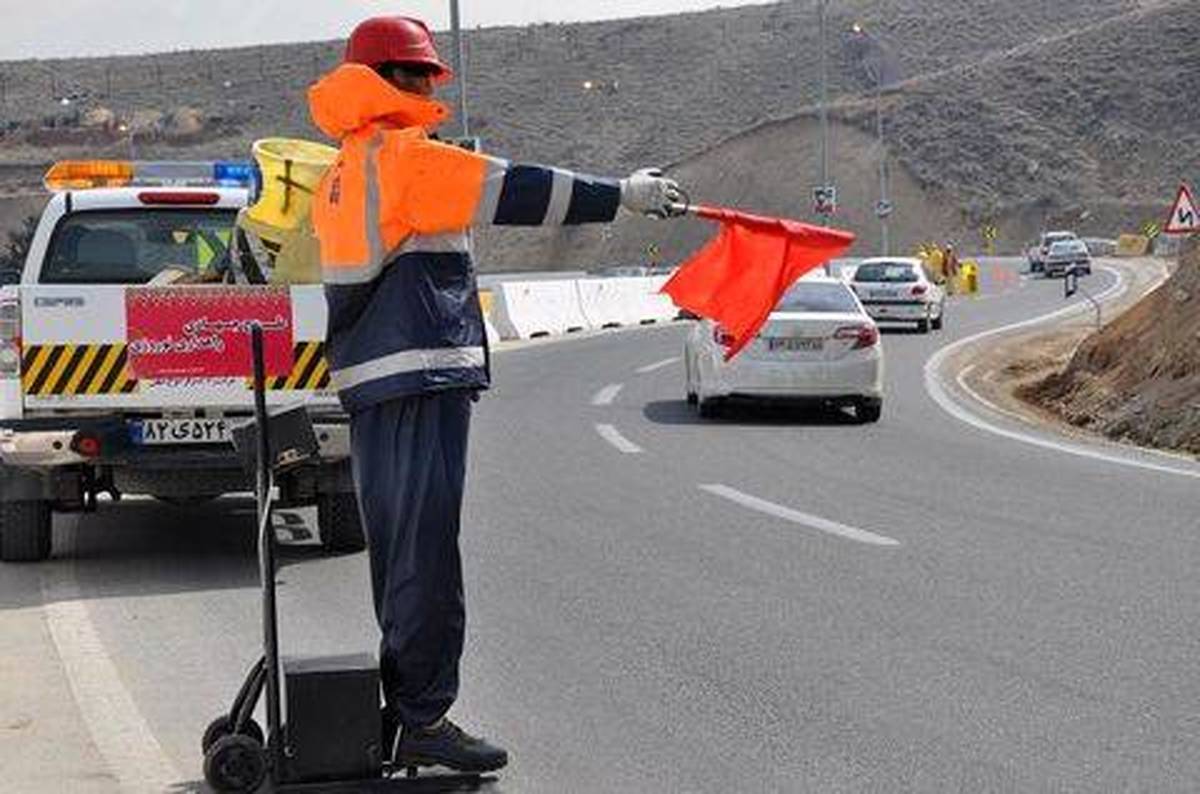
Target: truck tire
x=24 y=531
x=339 y=523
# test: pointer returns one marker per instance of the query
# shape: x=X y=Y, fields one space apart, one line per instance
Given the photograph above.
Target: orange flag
x=740 y=275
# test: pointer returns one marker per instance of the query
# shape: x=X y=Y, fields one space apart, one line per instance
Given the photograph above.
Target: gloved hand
x=648 y=192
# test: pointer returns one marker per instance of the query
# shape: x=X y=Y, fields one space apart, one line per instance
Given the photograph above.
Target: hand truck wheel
x=222 y=726
x=236 y=764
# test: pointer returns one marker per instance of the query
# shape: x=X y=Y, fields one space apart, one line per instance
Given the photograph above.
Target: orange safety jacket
x=392 y=215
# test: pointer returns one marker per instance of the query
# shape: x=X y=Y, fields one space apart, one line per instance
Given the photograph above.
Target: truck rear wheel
x=24 y=531
x=339 y=523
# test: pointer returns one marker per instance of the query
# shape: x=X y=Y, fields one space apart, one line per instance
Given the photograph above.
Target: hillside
x=1138 y=379
x=1009 y=112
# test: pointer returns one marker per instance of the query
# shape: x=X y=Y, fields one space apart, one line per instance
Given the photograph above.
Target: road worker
x=407 y=347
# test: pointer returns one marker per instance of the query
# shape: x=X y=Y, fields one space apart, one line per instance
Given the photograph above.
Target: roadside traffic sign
x=883 y=208
x=1184 y=217
x=825 y=199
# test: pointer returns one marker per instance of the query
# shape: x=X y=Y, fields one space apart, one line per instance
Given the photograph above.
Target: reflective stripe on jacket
x=392 y=215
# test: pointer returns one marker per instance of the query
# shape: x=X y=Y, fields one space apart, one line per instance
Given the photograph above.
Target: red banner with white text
x=204 y=332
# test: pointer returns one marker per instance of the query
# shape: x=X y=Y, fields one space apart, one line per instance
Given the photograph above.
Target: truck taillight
x=10 y=338
x=89 y=445
x=919 y=289
x=863 y=335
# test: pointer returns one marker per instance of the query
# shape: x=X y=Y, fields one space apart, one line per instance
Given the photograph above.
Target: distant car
x=1068 y=254
x=817 y=346
x=1037 y=254
x=900 y=289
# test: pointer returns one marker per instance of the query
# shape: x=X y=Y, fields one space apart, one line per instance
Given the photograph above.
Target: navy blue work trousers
x=409 y=456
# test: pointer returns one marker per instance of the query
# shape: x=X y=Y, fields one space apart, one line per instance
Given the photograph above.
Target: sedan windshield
x=895 y=272
x=818 y=298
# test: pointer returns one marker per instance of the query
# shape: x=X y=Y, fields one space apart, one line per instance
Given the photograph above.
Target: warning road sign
x=1184 y=217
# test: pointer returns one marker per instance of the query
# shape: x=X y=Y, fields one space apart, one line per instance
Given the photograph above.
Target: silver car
x=1068 y=254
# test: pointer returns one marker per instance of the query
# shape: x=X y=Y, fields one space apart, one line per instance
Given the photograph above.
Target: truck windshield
x=133 y=246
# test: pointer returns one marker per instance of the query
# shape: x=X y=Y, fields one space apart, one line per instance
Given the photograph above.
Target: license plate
x=180 y=431
x=885 y=293
x=796 y=344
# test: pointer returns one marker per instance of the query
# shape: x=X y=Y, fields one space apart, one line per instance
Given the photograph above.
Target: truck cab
x=78 y=422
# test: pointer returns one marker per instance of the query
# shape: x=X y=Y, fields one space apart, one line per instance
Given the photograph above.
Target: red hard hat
x=380 y=40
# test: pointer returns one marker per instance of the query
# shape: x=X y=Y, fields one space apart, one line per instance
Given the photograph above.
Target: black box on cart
x=331 y=723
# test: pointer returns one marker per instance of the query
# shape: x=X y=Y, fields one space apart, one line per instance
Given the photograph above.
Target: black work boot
x=448 y=745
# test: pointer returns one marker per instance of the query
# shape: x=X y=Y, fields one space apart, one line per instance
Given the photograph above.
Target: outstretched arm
x=534 y=195
x=436 y=187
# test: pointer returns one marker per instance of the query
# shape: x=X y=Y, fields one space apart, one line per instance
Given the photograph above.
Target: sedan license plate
x=180 y=431
x=796 y=344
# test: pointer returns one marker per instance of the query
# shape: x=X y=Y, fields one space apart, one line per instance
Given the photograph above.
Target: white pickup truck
x=77 y=422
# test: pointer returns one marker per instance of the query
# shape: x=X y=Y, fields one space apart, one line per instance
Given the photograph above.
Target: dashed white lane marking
x=614 y=437
x=795 y=516
x=606 y=395
x=117 y=727
x=940 y=395
x=666 y=362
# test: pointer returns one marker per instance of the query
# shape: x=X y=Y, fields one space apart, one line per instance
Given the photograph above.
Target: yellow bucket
x=291 y=169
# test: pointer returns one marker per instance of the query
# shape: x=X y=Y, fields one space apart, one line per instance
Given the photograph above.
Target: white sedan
x=898 y=289
x=818 y=346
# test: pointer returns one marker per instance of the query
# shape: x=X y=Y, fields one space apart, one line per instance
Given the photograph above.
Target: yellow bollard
x=970 y=277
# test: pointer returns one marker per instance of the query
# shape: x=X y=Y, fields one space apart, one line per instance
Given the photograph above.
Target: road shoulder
x=45 y=744
x=992 y=369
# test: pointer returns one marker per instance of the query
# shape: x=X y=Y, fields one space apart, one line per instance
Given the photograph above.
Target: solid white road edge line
x=666 y=362
x=614 y=437
x=116 y=725
x=795 y=516
x=606 y=395
x=940 y=395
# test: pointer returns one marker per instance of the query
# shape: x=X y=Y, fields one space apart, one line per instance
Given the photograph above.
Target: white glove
x=648 y=192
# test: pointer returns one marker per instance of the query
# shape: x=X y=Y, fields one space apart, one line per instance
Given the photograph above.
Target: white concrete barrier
x=602 y=302
x=525 y=309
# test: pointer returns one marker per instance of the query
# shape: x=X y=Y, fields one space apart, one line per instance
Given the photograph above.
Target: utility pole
x=457 y=65
x=824 y=96
x=885 y=207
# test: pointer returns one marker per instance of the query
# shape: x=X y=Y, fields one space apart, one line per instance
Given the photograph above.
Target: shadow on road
x=428 y=784
x=678 y=412
x=146 y=547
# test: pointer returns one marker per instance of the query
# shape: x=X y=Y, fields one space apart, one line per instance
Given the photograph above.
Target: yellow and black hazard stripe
x=53 y=370
x=310 y=370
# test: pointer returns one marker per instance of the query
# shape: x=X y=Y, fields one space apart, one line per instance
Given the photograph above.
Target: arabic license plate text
x=796 y=343
x=180 y=431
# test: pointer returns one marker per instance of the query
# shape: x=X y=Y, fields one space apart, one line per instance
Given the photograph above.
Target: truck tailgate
x=75 y=356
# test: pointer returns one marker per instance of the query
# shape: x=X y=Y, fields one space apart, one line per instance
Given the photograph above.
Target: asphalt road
x=659 y=603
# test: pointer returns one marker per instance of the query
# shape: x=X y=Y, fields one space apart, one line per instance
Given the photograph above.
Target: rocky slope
x=1138 y=379
x=1020 y=113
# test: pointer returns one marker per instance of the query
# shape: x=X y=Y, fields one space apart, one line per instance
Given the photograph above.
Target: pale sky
x=78 y=28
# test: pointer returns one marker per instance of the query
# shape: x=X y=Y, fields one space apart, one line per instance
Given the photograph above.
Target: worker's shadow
x=429 y=784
